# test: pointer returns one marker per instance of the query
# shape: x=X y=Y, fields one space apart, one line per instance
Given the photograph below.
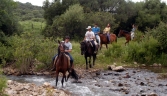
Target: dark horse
x=88 y=51
x=126 y=34
x=104 y=40
x=62 y=64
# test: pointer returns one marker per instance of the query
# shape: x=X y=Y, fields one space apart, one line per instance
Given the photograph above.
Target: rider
x=107 y=31
x=90 y=36
x=133 y=32
x=96 y=30
x=68 y=49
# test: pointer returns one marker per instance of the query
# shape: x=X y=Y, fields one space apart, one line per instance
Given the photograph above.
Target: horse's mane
x=61 y=54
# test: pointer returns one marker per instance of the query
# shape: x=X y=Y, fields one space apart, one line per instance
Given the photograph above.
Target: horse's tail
x=74 y=74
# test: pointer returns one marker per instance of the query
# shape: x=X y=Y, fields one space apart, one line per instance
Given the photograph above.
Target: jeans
x=108 y=36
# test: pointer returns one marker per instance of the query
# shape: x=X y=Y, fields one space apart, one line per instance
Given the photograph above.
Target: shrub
x=2 y=84
x=144 y=52
x=159 y=33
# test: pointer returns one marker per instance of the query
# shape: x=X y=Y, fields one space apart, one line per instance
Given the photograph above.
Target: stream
x=131 y=82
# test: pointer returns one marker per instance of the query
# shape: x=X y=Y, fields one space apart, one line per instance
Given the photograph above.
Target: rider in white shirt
x=133 y=32
x=90 y=36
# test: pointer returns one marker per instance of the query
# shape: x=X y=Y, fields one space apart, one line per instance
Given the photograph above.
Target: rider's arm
x=68 y=50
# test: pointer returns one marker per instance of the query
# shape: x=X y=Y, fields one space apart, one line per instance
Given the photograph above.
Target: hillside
x=27 y=11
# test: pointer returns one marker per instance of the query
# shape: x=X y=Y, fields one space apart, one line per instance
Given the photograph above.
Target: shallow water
x=131 y=82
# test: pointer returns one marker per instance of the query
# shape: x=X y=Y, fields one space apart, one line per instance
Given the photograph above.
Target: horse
x=88 y=51
x=104 y=40
x=62 y=64
x=113 y=38
x=97 y=37
x=126 y=34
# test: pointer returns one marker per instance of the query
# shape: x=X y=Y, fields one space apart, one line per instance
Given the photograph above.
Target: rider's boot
x=71 y=64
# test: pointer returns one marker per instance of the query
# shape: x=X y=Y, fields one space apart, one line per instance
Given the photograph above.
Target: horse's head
x=61 y=47
x=120 y=33
x=83 y=47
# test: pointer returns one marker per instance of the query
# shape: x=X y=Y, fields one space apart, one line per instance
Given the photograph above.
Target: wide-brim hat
x=89 y=27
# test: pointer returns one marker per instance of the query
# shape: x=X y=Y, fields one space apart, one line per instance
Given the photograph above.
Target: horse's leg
x=86 y=62
x=126 y=42
x=64 y=76
x=68 y=75
x=94 y=58
x=106 y=46
x=90 y=65
x=56 y=77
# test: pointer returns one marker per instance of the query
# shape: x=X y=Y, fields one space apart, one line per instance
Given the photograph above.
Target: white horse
x=98 y=39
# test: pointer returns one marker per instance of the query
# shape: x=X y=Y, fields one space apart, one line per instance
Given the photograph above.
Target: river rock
x=111 y=67
x=118 y=69
x=155 y=65
x=152 y=94
x=29 y=89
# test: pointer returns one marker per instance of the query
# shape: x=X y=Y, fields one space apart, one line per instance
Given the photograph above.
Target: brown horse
x=104 y=40
x=113 y=38
x=62 y=64
x=126 y=34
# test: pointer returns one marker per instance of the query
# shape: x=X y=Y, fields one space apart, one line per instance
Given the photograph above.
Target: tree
x=51 y=10
x=151 y=14
x=69 y=23
x=8 y=23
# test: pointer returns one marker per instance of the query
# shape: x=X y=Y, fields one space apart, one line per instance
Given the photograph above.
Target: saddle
x=90 y=43
x=66 y=56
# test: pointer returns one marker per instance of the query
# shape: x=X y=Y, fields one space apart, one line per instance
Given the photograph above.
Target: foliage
x=8 y=23
x=27 y=11
x=144 y=51
x=71 y=17
x=69 y=23
x=115 y=51
x=159 y=33
x=101 y=18
x=2 y=84
x=52 y=10
x=151 y=14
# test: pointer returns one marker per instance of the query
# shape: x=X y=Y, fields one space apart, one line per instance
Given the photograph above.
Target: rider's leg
x=71 y=59
x=54 y=67
x=94 y=46
x=132 y=35
x=108 y=36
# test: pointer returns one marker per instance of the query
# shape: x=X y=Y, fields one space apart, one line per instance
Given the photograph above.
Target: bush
x=144 y=52
x=2 y=84
x=159 y=33
x=115 y=51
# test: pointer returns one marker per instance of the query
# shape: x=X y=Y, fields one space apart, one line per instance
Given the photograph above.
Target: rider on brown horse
x=68 y=49
x=89 y=36
x=107 y=32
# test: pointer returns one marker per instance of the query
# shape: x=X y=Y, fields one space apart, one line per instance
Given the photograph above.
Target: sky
x=40 y=2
